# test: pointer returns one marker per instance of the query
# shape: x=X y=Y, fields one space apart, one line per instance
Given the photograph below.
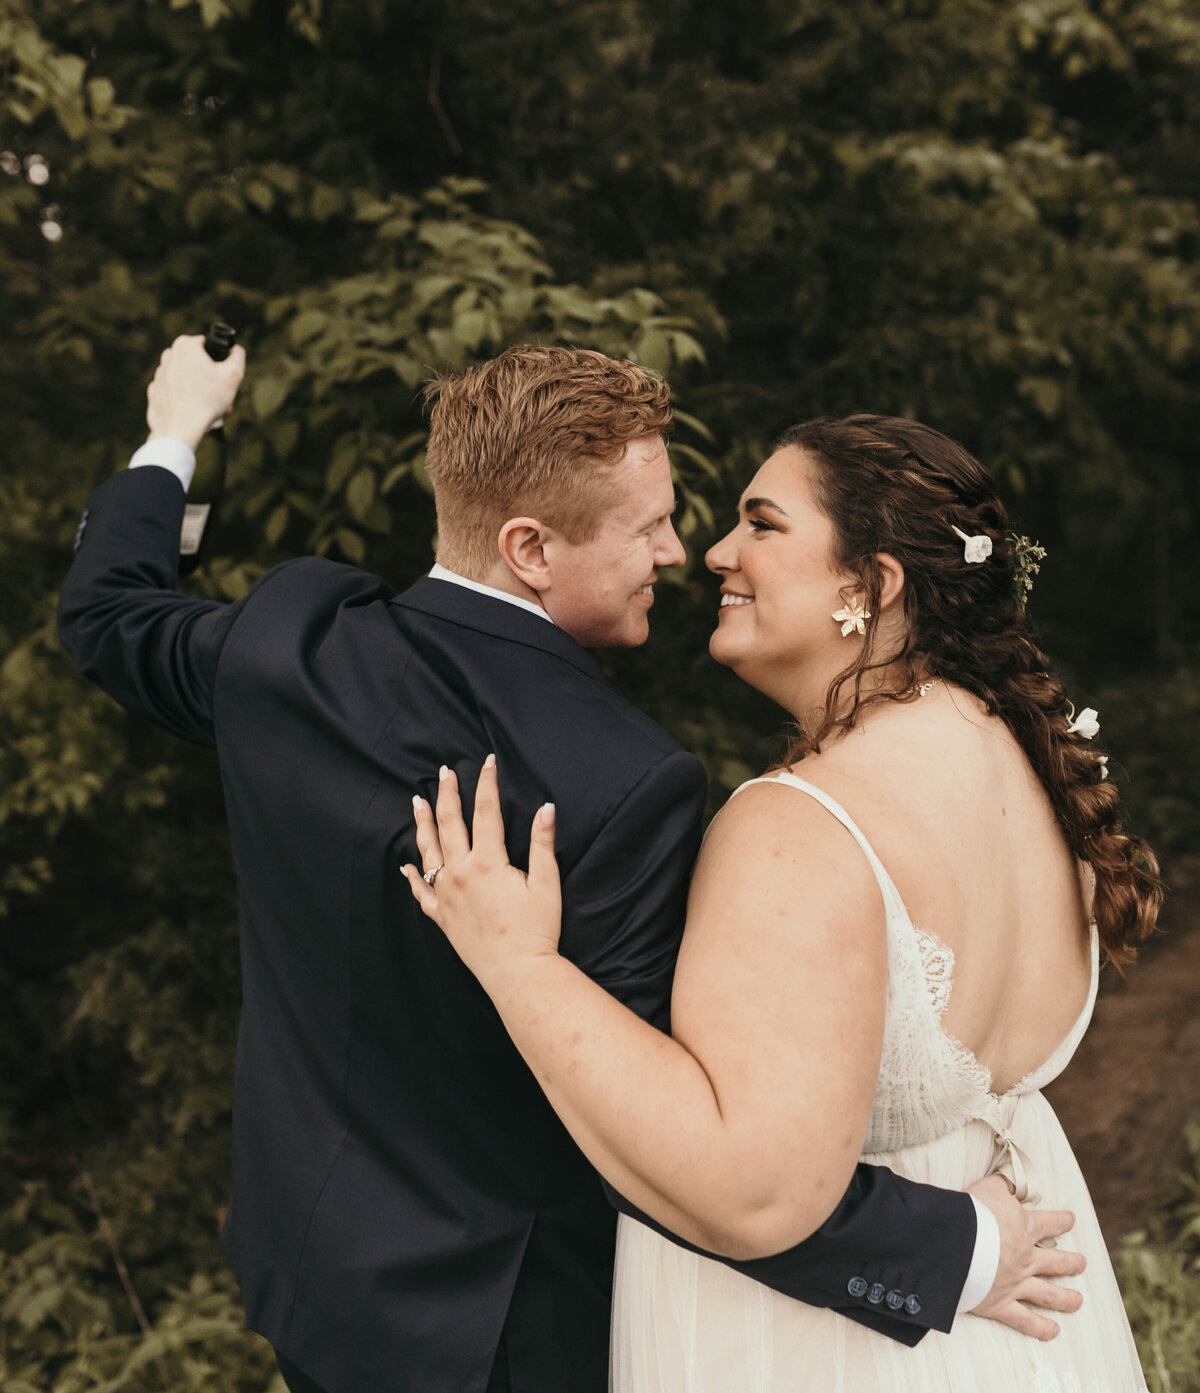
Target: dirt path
x=1136 y=1078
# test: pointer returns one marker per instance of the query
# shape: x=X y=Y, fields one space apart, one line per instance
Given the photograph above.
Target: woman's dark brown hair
x=896 y=486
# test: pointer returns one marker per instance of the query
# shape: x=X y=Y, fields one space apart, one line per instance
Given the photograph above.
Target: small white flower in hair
x=1102 y=761
x=1085 y=723
x=975 y=549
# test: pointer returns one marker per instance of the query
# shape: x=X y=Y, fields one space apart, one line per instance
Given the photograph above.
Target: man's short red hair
x=534 y=432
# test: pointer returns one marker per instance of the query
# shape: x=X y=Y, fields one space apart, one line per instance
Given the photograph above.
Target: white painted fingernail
x=490 y=762
x=418 y=802
x=443 y=772
x=547 y=814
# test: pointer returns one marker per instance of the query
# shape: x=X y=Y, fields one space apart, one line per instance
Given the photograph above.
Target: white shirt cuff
x=174 y=455
x=986 y=1261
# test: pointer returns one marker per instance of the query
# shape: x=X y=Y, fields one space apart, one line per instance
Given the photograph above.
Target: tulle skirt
x=687 y=1324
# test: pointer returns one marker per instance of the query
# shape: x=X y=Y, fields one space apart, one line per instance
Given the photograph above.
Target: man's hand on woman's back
x=1024 y=1284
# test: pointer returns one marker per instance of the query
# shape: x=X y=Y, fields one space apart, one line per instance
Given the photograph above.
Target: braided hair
x=899 y=487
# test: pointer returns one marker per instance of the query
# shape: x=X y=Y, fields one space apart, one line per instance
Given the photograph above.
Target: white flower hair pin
x=1086 y=723
x=975 y=549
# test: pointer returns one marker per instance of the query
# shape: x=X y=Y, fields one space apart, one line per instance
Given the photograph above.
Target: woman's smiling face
x=780 y=584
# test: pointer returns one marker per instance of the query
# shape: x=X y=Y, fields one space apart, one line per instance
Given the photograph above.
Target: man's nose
x=674 y=553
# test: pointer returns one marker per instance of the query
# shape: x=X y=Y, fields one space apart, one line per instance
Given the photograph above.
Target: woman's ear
x=522 y=544
x=891 y=579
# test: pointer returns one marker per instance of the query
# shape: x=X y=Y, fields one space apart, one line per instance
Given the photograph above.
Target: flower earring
x=853 y=618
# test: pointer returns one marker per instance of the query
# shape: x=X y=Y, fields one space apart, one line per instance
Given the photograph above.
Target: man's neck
x=513 y=595
x=498 y=577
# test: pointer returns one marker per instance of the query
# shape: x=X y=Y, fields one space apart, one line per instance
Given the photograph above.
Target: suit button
x=894 y=1299
x=875 y=1295
x=858 y=1286
x=912 y=1305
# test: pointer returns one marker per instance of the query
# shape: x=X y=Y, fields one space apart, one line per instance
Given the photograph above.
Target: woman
x=886 y=958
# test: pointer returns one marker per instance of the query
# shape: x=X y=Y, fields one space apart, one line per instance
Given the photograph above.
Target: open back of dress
x=683 y=1323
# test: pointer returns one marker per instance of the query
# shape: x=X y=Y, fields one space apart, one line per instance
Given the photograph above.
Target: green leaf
x=371 y=209
x=200 y=206
x=1045 y=393
x=689 y=452
x=327 y=202
x=285 y=177
x=693 y=423
x=212 y=12
x=427 y=289
x=284 y=436
x=444 y=237
x=378 y=519
x=303 y=504
x=342 y=461
x=101 y=95
x=360 y=493
x=234 y=584
x=407 y=369
x=351 y=545
x=464 y=186
x=395 y=228
x=447 y=347
x=654 y=351
x=685 y=348
x=260 y=193
x=68 y=70
x=394 y=475
x=471 y=329
x=276 y=525
x=258 y=501
x=306 y=325
x=269 y=394
x=355 y=289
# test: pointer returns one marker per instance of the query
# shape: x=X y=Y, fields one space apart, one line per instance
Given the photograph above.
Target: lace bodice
x=930 y=1083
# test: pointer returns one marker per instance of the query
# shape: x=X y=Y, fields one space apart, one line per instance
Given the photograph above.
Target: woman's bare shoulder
x=770 y=820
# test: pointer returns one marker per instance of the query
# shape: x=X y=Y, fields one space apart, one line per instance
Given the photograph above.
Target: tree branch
x=435 y=101
x=106 y=1232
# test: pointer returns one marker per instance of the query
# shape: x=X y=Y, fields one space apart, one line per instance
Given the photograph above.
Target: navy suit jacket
x=402 y=1192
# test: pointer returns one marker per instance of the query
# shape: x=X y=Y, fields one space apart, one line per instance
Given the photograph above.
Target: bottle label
x=195 y=515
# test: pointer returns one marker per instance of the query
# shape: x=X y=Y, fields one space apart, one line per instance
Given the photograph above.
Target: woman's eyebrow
x=751 y=503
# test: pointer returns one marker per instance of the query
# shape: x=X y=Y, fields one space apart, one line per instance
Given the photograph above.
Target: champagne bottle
x=208 y=481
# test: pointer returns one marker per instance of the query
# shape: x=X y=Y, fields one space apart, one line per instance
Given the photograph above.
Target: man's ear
x=522 y=544
x=891 y=578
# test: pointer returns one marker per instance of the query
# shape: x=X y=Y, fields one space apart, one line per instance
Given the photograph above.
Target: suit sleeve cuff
x=174 y=455
x=986 y=1260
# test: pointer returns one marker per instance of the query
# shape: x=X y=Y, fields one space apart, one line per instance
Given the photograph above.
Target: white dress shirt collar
x=441 y=573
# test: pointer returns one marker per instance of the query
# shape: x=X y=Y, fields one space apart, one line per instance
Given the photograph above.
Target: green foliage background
x=981 y=214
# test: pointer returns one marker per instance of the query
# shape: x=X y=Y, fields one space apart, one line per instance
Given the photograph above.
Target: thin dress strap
x=891 y=896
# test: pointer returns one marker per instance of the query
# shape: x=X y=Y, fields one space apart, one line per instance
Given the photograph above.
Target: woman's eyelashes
x=759 y=525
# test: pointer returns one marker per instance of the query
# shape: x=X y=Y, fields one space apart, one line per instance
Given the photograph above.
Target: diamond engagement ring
x=430 y=876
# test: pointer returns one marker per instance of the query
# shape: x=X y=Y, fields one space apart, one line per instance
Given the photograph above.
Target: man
x=407 y=1212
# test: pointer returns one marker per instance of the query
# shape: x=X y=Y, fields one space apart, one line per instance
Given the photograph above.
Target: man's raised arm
x=120 y=617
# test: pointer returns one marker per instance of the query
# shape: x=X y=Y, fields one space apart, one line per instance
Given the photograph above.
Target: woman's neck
x=804 y=696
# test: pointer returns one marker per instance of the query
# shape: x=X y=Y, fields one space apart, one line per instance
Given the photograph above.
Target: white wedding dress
x=683 y=1323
